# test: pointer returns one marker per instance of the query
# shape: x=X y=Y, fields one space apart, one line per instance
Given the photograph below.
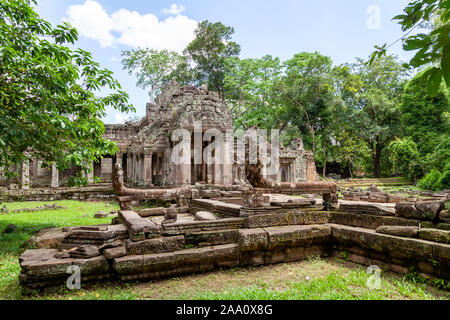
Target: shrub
x=445 y=180
x=432 y=181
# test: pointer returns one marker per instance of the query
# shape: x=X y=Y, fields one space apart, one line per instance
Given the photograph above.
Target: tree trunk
x=324 y=160
x=350 y=170
x=377 y=159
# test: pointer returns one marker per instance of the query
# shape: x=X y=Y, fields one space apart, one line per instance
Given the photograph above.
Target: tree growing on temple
x=209 y=50
x=48 y=103
x=154 y=69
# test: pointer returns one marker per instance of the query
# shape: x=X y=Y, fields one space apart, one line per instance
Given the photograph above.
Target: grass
x=310 y=279
x=28 y=225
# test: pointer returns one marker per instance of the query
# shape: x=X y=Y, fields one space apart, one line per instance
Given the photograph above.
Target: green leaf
x=434 y=80
x=445 y=64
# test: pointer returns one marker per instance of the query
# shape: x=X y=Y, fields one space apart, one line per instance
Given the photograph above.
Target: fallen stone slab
x=405 y=250
x=181 y=228
x=444 y=215
x=84 y=252
x=95 y=233
x=432 y=225
x=399 y=231
x=205 y=216
x=409 y=210
x=10 y=228
x=101 y=215
x=300 y=236
x=112 y=253
x=110 y=245
x=436 y=235
x=430 y=209
x=369 y=221
x=295 y=217
x=211 y=238
x=138 y=228
x=157 y=245
x=151 y=212
x=253 y=239
x=40 y=265
x=291 y=204
x=367 y=208
x=158 y=265
x=51 y=238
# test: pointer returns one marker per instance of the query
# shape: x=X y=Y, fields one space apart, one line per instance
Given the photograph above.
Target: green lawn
x=28 y=225
x=311 y=279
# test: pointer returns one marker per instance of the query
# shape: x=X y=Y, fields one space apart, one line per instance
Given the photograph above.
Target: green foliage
x=154 y=68
x=433 y=47
x=422 y=115
x=377 y=117
x=404 y=157
x=305 y=93
x=432 y=181
x=49 y=109
x=209 y=50
x=249 y=86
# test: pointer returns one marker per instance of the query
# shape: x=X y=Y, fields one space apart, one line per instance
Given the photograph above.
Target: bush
x=445 y=180
x=432 y=181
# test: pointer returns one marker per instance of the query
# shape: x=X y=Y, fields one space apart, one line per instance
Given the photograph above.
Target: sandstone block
x=430 y=209
x=408 y=210
x=253 y=240
x=113 y=253
x=296 y=217
x=444 y=215
x=210 y=238
x=205 y=216
x=400 y=231
x=435 y=235
x=297 y=235
x=157 y=245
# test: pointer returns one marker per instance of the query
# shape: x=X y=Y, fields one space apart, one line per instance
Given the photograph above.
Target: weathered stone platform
x=156 y=244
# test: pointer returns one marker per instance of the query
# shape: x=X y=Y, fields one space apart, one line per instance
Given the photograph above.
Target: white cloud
x=120 y=118
x=174 y=9
x=133 y=29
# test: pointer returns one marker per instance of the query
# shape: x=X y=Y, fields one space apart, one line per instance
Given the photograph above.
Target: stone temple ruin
x=212 y=217
x=146 y=147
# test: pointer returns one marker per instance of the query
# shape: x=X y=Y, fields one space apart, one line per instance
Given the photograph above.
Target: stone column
x=183 y=172
x=90 y=175
x=119 y=157
x=141 y=179
x=136 y=168
x=147 y=169
x=158 y=168
x=129 y=165
x=25 y=175
x=55 y=177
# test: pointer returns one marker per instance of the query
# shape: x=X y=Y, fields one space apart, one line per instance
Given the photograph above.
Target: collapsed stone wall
x=164 y=242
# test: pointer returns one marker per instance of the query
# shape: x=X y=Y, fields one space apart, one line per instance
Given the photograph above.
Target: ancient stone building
x=146 y=147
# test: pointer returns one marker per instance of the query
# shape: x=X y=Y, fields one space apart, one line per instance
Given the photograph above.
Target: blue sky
x=340 y=29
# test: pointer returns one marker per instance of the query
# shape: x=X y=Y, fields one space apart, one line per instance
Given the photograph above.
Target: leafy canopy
x=432 y=47
x=48 y=106
x=209 y=50
x=154 y=68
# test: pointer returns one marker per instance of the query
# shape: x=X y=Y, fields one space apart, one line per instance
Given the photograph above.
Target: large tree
x=154 y=69
x=49 y=108
x=378 y=115
x=249 y=87
x=306 y=92
x=209 y=50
